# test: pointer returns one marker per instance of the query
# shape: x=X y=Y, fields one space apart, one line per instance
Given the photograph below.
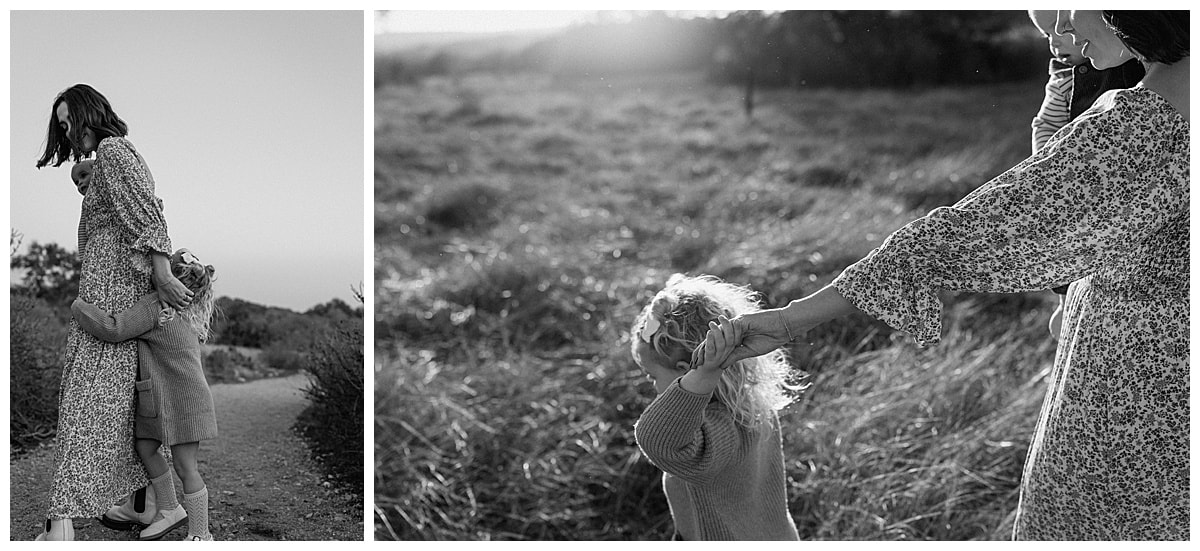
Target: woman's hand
x=761 y=333
x=712 y=355
x=173 y=292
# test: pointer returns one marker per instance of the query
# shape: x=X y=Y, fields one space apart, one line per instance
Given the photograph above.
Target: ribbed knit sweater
x=174 y=402
x=723 y=481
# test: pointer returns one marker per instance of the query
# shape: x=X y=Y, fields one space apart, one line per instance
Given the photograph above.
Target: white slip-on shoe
x=135 y=513
x=65 y=532
x=164 y=522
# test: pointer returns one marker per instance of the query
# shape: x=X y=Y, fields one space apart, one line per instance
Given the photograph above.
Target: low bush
x=227 y=365
x=35 y=371
x=333 y=421
x=283 y=358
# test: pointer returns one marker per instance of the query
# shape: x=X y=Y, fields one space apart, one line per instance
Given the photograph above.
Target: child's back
x=723 y=481
x=713 y=429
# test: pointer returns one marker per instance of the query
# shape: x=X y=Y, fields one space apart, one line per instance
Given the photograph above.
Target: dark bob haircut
x=87 y=109
x=1157 y=36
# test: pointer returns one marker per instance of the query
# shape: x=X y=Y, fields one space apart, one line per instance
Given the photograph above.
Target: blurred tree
x=51 y=272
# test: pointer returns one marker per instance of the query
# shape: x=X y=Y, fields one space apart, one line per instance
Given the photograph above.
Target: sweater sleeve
x=1105 y=183
x=139 y=319
x=1055 y=111
x=681 y=435
x=131 y=191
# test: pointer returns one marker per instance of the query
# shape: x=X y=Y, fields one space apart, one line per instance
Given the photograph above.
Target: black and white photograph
x=186 y=275
x=781 y=275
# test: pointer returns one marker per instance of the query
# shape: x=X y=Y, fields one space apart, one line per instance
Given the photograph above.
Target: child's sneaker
x=164 y=522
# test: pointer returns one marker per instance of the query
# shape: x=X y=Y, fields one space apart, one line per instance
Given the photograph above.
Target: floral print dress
x=121 y=223
x=1104 y=205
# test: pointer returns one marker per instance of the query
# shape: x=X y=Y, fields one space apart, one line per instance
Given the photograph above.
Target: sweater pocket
x=146 y=405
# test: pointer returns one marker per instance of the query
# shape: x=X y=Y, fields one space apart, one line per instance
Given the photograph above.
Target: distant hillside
x=419 y=46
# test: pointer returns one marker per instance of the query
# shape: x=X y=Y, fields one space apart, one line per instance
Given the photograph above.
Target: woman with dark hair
x=1102 y=206
x=125 y=254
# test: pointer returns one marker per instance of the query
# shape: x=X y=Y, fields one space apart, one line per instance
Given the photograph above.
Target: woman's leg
x=195 y=494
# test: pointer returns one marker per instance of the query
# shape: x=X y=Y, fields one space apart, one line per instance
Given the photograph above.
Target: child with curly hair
x=174 y=404
x=714 y=428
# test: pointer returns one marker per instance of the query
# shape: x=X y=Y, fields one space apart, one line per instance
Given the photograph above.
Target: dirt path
x=261 y=481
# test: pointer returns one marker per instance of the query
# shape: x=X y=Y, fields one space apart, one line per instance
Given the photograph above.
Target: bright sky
x=251 y=122
x=405 y=21
x=484 y=21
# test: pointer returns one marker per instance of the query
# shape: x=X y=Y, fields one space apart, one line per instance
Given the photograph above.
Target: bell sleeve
x=1102 y=184
x=131 y=191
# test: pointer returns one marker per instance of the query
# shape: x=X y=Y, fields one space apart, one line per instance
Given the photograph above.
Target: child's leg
x=159 y=472
x=195 y=494
x=185 y=466
x=147 y=449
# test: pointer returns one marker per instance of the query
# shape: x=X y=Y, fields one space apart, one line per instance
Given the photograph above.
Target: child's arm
x=680 y=436
x=677 y=432
x=1055 y=111
x=136 y=321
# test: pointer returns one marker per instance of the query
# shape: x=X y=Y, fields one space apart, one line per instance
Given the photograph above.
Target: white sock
x=196 y=505
x=164 y=492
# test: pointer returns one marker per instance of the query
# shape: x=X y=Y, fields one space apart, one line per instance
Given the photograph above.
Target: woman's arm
x=1108 y=181
x=108 y=327
x=131 y=190
x=766 y=330
x=170 y=289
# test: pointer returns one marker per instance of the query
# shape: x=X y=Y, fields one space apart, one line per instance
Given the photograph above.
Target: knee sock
x=164 y=492
x=196 y=505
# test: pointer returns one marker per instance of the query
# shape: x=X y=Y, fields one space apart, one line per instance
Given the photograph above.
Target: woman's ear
x=683 y=365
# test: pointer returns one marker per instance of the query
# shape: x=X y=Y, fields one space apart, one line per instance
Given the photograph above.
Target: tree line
x=781 y=49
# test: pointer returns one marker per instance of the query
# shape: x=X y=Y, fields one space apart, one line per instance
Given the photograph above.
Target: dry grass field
x=522 y=221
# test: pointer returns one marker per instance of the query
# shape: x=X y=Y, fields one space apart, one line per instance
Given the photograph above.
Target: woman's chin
x=1102 y=63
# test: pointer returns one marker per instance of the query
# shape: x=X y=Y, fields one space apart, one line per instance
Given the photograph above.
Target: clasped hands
x=745 y=336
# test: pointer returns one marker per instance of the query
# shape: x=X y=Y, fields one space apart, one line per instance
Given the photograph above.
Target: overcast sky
x=251 y=122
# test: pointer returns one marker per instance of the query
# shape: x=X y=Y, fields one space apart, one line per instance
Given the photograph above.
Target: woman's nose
x=1060 y=22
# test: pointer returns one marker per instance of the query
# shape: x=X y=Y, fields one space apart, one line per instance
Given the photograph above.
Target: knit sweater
x=723 y=481
x=174 y=402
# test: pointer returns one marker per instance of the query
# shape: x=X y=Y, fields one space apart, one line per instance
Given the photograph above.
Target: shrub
x=227 y=365
x=333 y=421
x=282 y=357
x=468 y=206
x=34 y=372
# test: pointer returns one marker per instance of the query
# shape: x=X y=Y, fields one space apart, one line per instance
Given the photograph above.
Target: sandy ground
x=262 y=483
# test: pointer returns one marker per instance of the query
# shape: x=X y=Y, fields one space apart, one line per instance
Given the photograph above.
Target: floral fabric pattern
x=1104 y=205
x=121 y=222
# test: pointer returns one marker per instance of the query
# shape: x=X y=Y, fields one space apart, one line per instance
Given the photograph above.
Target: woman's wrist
x=801 y=315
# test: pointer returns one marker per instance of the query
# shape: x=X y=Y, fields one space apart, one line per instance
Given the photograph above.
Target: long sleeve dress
x=121 y=224
x=1103 y=205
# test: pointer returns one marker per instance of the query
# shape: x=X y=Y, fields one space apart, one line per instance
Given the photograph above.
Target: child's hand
x=712 y=355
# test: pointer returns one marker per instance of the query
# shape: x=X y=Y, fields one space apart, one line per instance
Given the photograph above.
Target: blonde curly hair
x=198 y=278
x=754 y=388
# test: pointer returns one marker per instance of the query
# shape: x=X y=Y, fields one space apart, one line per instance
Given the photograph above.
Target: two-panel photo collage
x=651 y=275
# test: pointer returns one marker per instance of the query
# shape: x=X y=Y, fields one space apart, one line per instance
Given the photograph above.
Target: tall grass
x=522 y=222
